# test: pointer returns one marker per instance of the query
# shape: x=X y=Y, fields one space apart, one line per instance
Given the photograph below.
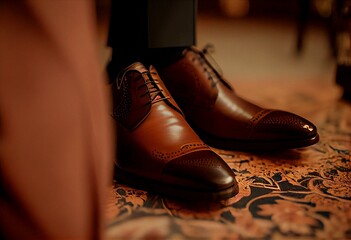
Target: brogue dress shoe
x=157 y=149
x=225 y=120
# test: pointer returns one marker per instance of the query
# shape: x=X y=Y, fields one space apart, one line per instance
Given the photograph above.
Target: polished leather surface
x=225 y=119
x=156 y=143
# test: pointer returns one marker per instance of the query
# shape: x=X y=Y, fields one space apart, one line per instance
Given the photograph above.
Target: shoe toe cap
x=286 y=126
x=200 y=171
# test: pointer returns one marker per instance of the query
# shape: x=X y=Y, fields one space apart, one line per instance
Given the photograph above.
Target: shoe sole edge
x=252 y=145
x=172 y=191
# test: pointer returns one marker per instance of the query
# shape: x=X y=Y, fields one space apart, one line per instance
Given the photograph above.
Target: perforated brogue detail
x=185 y=149
x=195 y=163
x=287 y=123
x=194 y=170
x=255 y=119
x=123 y=103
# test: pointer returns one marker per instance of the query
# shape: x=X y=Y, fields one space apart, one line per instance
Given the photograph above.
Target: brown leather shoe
x=223 y=119
x=157 y=149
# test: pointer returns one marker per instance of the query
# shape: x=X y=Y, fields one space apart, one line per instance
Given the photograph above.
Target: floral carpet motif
x=302 y=193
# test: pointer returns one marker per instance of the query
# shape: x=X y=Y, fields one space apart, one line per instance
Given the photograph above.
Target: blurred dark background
x=271 y=39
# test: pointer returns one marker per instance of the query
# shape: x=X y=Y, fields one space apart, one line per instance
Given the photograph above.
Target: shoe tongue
x=138 y=67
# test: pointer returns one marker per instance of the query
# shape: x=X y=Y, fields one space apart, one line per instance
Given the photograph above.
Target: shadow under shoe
x=225 y=120
x=157 y=149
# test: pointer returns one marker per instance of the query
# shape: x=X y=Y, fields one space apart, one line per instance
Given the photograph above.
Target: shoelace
x=207 y=61
x=210 y=66
x=207 y=51
x=155 y=91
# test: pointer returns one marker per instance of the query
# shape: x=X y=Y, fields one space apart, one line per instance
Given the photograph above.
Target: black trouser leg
x=152 y=31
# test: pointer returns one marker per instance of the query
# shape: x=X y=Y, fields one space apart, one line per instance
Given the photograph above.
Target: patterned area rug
x=302 y=193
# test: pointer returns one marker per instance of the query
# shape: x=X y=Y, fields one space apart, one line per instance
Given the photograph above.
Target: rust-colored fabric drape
x=55 y=132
